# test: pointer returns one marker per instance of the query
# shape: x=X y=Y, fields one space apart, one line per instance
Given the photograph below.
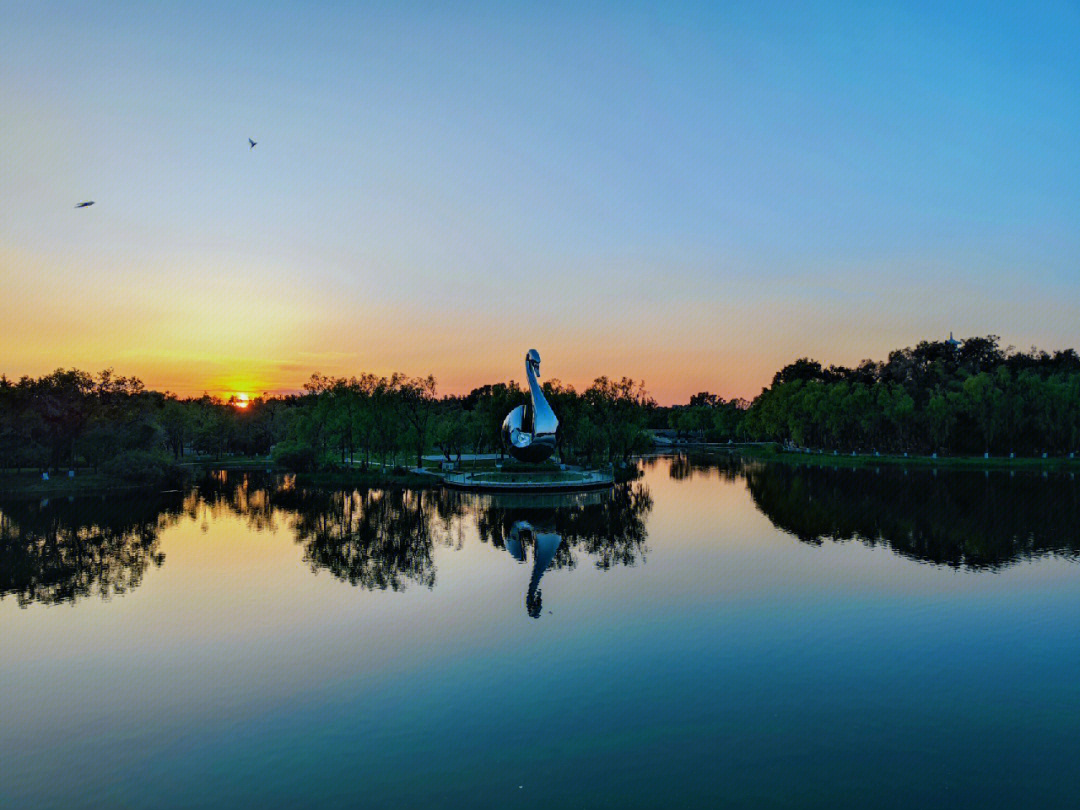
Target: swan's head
x=532 y=359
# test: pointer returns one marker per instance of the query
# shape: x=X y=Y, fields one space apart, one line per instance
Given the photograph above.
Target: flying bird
x=252 y=143
x=85 y=204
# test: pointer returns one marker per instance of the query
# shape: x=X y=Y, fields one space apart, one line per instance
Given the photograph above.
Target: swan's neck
x=534 y=384
x=537 y=402
x=541 y=418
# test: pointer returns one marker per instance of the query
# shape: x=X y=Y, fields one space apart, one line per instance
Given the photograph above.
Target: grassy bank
x=227 y=463
x=31 y=485
x=774 y=453
x=368 y=478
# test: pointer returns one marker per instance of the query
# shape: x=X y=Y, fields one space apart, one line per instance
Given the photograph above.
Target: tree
x=942 y=418
x=176 y=420
x=982 y=402
x=802 y=369
x=64 y=400
x=416 y=399
x=451 y=432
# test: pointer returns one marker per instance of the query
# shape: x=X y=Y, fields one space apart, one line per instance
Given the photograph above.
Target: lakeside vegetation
x=959 y=399
x=822 y=458
x=117 y=432
x=964 y=398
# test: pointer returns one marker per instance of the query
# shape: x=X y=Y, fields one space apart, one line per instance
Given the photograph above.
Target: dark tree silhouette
x=971 y=520
x=65 y=550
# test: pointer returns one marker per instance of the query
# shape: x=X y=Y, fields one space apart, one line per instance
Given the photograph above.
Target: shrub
x=143 y=467
x=295 y=456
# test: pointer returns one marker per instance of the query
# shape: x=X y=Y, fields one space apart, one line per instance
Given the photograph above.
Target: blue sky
x=691 y=194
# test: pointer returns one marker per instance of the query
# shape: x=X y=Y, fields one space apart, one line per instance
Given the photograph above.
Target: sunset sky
x=693 y=195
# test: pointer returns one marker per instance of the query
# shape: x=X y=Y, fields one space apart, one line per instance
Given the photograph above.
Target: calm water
x=710 y=634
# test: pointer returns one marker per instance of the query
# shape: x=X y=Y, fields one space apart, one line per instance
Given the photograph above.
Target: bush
x=144 y=467
x=296 y=456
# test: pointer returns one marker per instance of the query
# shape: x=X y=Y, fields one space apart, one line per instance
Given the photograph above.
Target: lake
x=713 y=633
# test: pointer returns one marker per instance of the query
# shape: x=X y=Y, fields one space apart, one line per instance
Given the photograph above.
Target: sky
x=692 y=195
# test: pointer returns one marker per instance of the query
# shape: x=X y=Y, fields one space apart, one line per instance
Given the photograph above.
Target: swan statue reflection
x=545 y=545
x=529 y=430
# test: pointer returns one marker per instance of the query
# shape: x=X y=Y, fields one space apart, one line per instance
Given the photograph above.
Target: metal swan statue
x=529 y=430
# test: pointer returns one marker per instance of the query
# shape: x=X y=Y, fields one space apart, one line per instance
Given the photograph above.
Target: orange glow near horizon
x=198 y=325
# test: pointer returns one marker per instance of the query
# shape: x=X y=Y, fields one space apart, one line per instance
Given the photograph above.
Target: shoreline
x=827 y=458
x=87 y=483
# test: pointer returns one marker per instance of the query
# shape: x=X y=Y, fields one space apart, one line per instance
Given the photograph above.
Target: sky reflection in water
x=714 y=632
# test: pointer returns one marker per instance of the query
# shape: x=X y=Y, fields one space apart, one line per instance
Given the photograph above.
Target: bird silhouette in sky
x=86 y=204
x=252 y=143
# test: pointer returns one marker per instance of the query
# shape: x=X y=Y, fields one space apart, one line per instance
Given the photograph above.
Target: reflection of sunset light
x=241 y=401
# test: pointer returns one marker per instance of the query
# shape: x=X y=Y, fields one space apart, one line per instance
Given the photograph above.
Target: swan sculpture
x=529 y=430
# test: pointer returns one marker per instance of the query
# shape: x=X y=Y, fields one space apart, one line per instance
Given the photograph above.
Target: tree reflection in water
x=684 y=466
x=385 y=538
x=970 y=519
x=59 y=551
x=372 y=538
x=607 y=526
x=379 y=539
x=247 y=495
x=376 y=539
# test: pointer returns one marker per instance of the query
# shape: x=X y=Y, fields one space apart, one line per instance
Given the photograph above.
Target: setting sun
x=241 y=400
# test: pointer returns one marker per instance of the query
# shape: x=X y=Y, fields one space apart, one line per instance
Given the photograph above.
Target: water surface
x=713 y=633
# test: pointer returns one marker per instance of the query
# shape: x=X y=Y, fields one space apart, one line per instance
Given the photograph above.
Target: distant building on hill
x=953 y=341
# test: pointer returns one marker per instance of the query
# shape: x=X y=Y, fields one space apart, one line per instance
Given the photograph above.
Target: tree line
x=961 y=398
x=74 y=419
x=966 y=398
